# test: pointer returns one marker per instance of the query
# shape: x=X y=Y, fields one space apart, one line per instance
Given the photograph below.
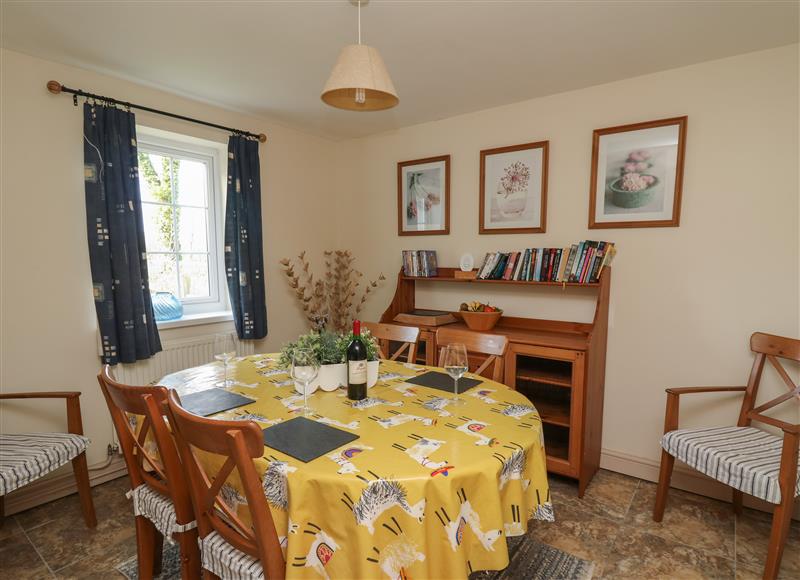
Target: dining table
x=429 y=489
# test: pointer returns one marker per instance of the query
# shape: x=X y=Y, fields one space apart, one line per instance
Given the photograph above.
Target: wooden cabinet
x=558 y=365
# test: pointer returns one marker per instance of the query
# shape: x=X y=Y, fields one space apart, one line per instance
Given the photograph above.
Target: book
x=570 y=261
x=510 y=265
x=497 y=273
x=425 y=317
x=538 y=268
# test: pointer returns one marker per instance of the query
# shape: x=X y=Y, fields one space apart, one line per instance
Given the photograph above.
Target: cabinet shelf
x=447 y=275
x=553 y=413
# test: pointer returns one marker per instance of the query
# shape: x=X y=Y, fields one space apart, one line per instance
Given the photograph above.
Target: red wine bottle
x=356 y=365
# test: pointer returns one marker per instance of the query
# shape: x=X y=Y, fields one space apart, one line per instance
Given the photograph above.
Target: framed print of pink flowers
x=637 y=175
x=423 y=196
x=513 y=189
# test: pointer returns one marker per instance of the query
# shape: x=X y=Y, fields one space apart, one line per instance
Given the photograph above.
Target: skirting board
x=60 y=485
x=682 y=478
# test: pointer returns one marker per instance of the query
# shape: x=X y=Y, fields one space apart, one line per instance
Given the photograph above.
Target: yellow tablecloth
x=427 y=491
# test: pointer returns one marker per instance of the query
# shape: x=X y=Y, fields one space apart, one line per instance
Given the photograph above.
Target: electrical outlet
x=113 y=449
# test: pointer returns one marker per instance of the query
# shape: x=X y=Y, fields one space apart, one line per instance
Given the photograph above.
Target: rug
x=529 y=559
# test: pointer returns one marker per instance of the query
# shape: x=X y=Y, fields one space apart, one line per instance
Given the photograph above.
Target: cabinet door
x=553 y=379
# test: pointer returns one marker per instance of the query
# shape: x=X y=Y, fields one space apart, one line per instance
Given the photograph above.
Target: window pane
x=192 y=231
x=192 y=182
x=163 y=273
x=158 y=227
x=194 y=276
x=154 y=177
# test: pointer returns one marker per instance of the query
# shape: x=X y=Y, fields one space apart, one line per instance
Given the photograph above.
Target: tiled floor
x=611 y=525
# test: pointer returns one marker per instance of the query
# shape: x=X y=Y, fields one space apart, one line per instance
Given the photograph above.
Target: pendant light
x=359 y=80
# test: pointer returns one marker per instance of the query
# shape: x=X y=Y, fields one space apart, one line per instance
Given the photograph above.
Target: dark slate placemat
x=213 y=401
x=443 y=382
x=305 y=439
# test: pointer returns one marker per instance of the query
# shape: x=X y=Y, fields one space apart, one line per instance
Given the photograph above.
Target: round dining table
x=429 y=489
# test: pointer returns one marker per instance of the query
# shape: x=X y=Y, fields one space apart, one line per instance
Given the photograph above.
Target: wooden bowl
x=480 y=321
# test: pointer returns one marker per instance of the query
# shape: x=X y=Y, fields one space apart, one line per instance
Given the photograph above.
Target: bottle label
x=357 y=372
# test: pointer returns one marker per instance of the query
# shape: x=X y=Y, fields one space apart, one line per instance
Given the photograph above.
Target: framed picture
x=637 y=175
x=513 y=190
x=423 y=196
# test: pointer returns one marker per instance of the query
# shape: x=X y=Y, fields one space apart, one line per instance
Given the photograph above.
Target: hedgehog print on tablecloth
x=276 y=485
x=438 y=404
x=232 y=498
x=518 y=411
x=512 y=468
x=374 y=402
x=381 y=495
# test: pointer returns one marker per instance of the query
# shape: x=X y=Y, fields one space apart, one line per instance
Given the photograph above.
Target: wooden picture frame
x=647 y=155
x=423 y=193
x=513 y=189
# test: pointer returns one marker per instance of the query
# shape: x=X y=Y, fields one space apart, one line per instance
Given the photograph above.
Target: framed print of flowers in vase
x=637 y=175
x=423 y=196
x=513 y=189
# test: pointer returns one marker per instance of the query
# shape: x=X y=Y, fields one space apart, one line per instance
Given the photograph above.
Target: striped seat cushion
x=159 y=509
x=744 y=458
x=25 y=457
x=220 y=558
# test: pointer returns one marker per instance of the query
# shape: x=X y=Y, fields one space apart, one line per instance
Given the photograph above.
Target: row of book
x=580 y=263
x=420 y=263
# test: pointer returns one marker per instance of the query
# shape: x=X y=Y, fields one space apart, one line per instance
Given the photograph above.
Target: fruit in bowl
x=479 y=316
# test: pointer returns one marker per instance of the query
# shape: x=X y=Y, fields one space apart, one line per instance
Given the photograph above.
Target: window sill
x=196 y=320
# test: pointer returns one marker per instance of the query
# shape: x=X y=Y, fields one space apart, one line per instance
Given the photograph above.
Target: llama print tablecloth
x=427 y=491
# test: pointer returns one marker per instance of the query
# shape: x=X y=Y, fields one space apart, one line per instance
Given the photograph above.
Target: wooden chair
x=161 y=502
x=386 y=333
x=750 y=460
x=493 y=346
x=229 y=548
x=25 y=457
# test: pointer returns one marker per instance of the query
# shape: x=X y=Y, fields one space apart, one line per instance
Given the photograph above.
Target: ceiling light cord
x=359 y=21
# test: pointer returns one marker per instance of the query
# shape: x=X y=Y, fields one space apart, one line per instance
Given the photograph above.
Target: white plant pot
x=372 y=373
x=329 y=378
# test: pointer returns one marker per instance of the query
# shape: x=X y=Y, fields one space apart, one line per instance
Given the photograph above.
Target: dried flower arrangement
x=329 y=302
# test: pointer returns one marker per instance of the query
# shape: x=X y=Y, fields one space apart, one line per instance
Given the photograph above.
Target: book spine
x=500 y=268
x=579 y=262
x=550 y=265
x=584 y=271
x=509 y=270
x=539 y=260
x=598 y=259
x=570 y=261
x=526 y=265
x=557 y=264
x=487 y=267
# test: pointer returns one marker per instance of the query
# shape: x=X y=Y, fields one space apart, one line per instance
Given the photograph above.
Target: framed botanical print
x=513 y=189
x=637 y=175
x=423 y=196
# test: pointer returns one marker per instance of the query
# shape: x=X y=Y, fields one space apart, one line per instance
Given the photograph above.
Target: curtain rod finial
x=54 y=87
x=262 y=137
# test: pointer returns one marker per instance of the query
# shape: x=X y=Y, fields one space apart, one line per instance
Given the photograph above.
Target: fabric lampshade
x=360 y=67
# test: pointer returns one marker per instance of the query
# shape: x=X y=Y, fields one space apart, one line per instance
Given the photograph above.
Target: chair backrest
x=139 y=413
x=384 y=333
x=769 y=347
x=493 y=346
x=236 y=443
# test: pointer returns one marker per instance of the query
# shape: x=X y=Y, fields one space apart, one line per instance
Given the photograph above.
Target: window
x=179 y=179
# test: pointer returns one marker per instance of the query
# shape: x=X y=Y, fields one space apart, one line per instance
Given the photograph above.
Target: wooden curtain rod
x=56 y=88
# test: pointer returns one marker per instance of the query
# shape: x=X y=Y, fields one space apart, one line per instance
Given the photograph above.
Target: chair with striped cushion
x=229 y=548
x=750 y=460
x=26 y=457
x=161 y=502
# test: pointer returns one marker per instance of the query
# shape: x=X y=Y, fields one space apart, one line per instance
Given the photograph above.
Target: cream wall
x=683 y=300
x=47 y=313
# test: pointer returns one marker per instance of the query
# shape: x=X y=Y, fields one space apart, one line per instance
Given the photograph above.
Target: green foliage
x=329 y=348
x=161 y=188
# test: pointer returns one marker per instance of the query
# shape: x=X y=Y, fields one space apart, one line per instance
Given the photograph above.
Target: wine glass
x=455 y=363
x=224 y=350
x=305 y=367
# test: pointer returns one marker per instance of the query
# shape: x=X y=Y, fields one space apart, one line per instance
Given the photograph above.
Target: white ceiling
x=445 y=57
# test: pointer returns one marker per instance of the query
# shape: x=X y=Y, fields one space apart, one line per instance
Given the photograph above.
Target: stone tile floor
x=611 y=525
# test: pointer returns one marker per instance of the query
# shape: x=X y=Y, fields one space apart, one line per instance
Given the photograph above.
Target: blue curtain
x=116 y=235
x=244 y=250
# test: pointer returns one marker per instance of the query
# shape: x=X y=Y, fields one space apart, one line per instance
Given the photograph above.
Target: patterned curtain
x=244 y=251
x=116 y=235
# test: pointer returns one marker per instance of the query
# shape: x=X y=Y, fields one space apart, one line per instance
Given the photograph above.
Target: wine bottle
x=356 y=365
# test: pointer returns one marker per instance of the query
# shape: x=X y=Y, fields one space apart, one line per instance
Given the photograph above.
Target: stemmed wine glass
x=305 y=367
x=455 y=363
x=224 y=350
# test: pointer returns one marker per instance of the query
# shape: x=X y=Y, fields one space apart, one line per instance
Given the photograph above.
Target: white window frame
x=214 y=156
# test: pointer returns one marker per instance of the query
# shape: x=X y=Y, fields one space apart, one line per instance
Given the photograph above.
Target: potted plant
x=328 y=350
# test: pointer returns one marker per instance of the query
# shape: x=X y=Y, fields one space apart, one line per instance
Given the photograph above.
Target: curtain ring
x=74 y=100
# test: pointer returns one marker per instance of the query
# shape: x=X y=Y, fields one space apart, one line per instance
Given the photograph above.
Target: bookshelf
x=559 y=365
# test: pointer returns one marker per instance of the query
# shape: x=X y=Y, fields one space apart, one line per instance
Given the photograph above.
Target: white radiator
x=175 y=356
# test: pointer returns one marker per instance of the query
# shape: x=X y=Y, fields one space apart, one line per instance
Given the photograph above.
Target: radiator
x=175 y=356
